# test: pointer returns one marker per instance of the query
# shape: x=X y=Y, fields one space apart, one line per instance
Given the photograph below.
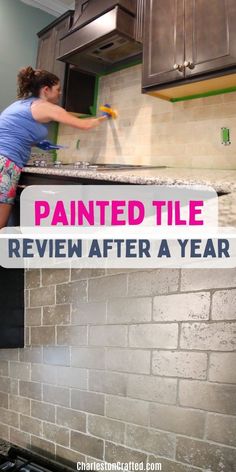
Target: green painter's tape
x=205 y=94
x=54 y=137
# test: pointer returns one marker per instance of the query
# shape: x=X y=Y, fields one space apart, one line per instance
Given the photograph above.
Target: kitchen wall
x=153 y=131
x=19 y=24
x=126 y=366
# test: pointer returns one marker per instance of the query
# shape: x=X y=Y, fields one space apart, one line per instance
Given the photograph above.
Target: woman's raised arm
x=44 y=112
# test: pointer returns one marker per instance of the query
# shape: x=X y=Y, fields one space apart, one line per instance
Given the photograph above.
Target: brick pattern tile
x=126 y=365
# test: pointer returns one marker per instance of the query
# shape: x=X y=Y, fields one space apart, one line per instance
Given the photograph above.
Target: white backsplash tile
x=153 y=131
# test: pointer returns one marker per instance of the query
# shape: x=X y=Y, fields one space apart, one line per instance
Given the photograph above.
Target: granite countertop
x=223 y=181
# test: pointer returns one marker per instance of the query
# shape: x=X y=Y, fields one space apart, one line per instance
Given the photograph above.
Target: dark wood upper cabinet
x=78 y=88
x=210 y=35
x=46 y=51
x=48 y=48
x=60 y=29
x=163 y=41
x=187 y=40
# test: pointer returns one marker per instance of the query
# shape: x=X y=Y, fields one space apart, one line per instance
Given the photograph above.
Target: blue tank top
x=19 y=131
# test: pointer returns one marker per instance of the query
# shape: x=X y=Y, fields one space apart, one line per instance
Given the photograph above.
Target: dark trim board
x=11 y=308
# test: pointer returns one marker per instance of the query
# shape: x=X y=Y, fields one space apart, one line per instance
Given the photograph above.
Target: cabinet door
x=48 y=48
x=60 y=67
x=163 y=41
x=210 y=35
x=46 y=51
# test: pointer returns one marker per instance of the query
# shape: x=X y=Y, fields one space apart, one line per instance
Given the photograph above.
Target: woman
x=23 y=124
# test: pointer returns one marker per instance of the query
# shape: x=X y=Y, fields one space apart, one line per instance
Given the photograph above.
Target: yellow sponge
x=109 y=111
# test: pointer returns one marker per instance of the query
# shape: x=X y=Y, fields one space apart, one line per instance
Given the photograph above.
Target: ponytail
x=30 y=81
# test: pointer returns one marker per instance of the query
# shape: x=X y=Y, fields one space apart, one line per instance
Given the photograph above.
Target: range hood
x=105 y=34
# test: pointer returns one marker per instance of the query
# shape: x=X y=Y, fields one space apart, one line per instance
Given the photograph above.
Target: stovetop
x=83 y=165
x=18 y=459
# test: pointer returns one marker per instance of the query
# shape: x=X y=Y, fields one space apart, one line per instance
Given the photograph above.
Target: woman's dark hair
x=30 y=81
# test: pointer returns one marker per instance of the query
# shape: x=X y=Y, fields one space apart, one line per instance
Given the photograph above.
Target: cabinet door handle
x=179 y=67
x=189 y=64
